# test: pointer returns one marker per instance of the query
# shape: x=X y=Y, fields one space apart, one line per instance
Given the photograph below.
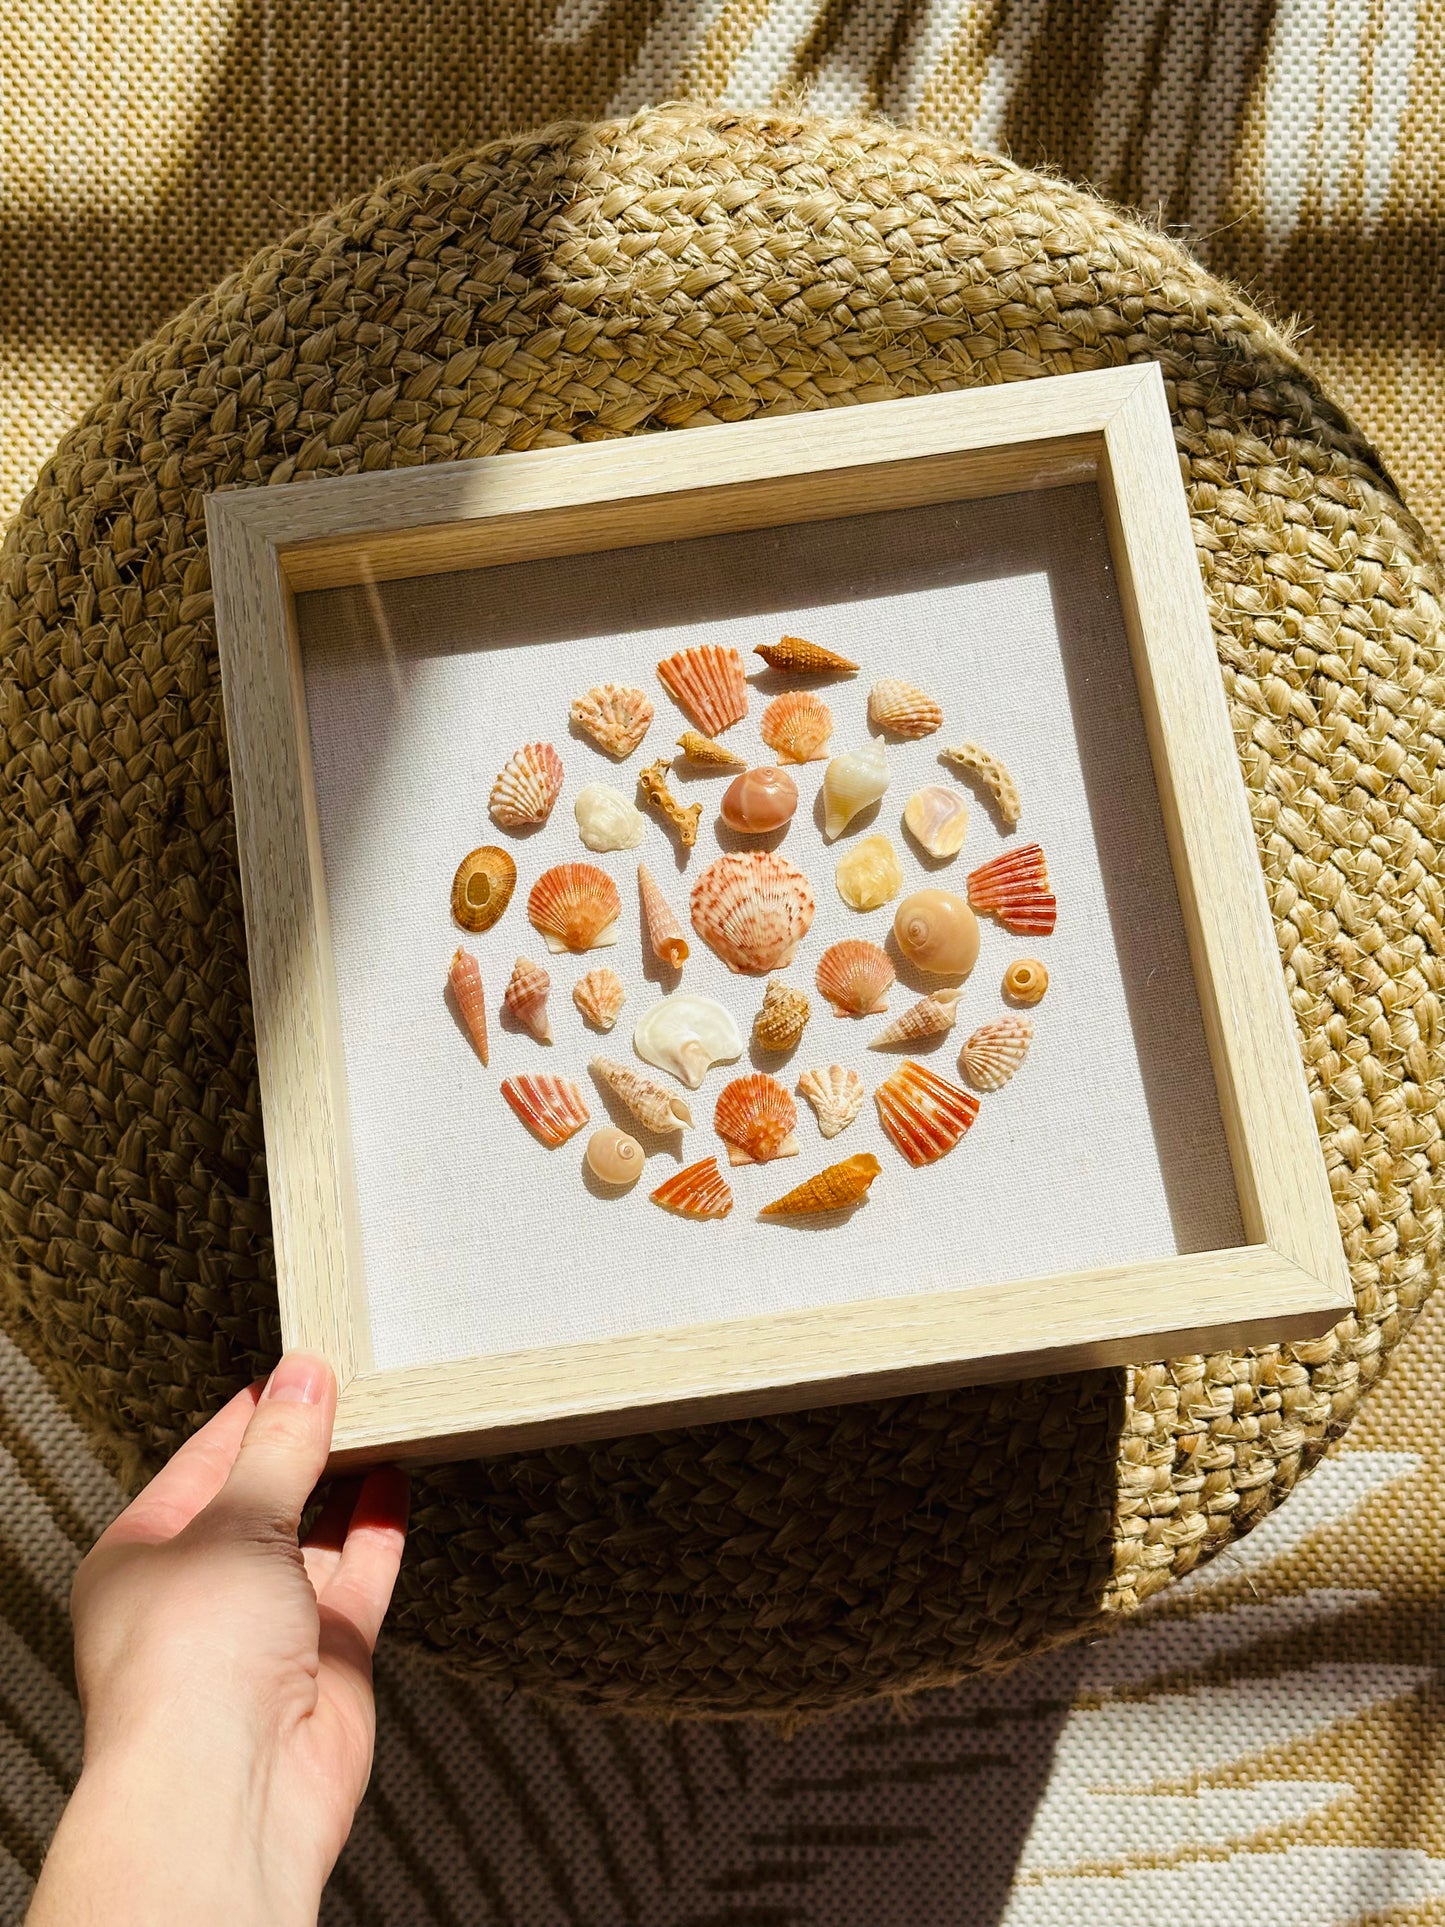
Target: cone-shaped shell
x=684 y=818
x=779 y=1024
x=930 y=1017
x=868 y=873
x=525 y=998
x=575 y=906
x=937 y=819
x=995 y=1051
x=661 y=1110
x=600 y=996
x=708 y=682
x=851 y=783
x=754 y=908
x=835 y=1093
x=992 y=774
x=797 y=725
x=708 y=754
x=482 y=887
x=833 y=1189
x=698 y=1191
x=937 y=932
x=664 y=932
x=550 y=1106
x=1014 y=888
x=615 y=715
x=613 y=1157
x=465 y=978
x=901 y=709
x=1025 y=980
x=795 y=657
x=855 y=977
x=755 y=1116
x=527 y=787
x=923 y=1113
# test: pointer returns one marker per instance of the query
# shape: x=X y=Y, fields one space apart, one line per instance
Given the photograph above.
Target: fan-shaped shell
x=1025 y=980
x=797 y=725
x=995 y=1051
x=550 y=1106
x=756 y=1117
x=615 y=715
x=525 y=998
x=869 y=873
x=833 y=1189
x=937 y=819
x=651 y=1103
x=527 y=787
x=855 y=977
x=754 y=908
x=699 y=1191
x=779 y=1024
x=930 y=1017
x=600 y=996
x=664 y=932
x=465 y=978
x=575 y=906
x=795 y=657
x=708 y=754
x=851 y=783
x=708 y=682
x=835 y=1093
x=482 y=887
x=1014 y=888
x=923 y=1113
x=902 y=709
x=606 y=820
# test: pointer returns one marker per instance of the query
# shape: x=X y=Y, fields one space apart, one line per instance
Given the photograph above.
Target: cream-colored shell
x=929 y=1017
x=851 y=783
x=613 y=1157
x=937 y=820
x=615 y=715
x=994 y=1052
x=836 y=1093
x=903 y=709
x=527 y=787
x=869 y=874
x=686 y=1035
x=661 y=1110
x=600 y=996
x=606 y=820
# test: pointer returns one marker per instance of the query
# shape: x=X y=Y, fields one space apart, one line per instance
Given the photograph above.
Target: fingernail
x=299 y=1379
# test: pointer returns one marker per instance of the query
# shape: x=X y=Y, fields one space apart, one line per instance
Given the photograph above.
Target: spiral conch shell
x=755 y=1117
x=754 y=908
x=869 y=874
x=937 y=819
x=528 y=786
x=613 y=1157
x=793 y=656
x=901 y=709
x=797 y=725
x=606 y=820
x=937 y=932
x=780 y=1022
x=700 y=1191
x=855 y=977
x=851 y=783
x=575 y=906
x=835 y=1093
x=525 y=998
x=995 y=1051
x=615 y=716
x=465 y=978
x=709 y=683
x=833 y=1189
x=686 y=1035
x=708 y=754
x=928 y=1018
x=600 y=996
x=992 y=774
x=664 y=932
x=550 y=1106
x=661 y=1110
x=482 y=887
x=923 y=1113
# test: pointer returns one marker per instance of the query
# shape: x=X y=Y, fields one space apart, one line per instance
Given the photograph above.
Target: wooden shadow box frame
x=1288 y=1280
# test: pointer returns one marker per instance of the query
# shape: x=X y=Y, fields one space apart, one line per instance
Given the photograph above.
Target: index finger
x=188 y=1481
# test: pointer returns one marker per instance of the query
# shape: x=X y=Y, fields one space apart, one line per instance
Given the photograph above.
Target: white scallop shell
x=850 y=783
x=687 y=1034
x=995 y=1051
x=527 y=787
x=835 y=1093
x=606 y=820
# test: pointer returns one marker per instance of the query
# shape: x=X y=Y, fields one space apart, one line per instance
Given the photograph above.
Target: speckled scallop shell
x=754 y=908
x=661 y=1110
x=1014 y=888
x=835 y=1093
x=664 y=932
x=855 y=977
x=600 y=996
x=525 y=998
x=923 y=1113
x=992 y=774
x=902 y=709
x=930 y=1017
x=465 y=978
x=795 y=657
x=937 y=819
x=869 y=874
x=708 y=682
x=833 y=1189
x=527 y=788
x=852 y=782
x=550 y=1106
x=707 y=754
x=755 y=1117
x=575 y=906
x=615 y=715
x=1025 y=980
x=780 y=1022
x=698 y=1191
x=995 y=1051
x=482 y=887
x=797 y=725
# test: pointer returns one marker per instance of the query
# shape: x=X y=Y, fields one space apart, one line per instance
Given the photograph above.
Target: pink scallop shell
x=754 y=908
x=709 y=683
x=550 y=1106
x=528 y=786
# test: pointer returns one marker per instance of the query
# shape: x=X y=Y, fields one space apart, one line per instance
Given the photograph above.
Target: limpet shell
x=930 y=1017
x=759 y=801
x=606 y=820
x=902 y=709
x=1014 y=888
x=937 y=932
x=869 y=874
x=992 y=774
x=600 y=996
x=793 y=656
x=686 y=1035
x=615 y=715
x=684 y=818
x=797 y=725
x=613 y=1157
x=661 y=1110
x=937 y=820
x=527 y=787
x=851 y=783
x=550 y=1106
x=833 y=1189
x=923 y=1113
x=699 y=1191
x=1025 y=980
x=708 y=682
x=835 y=1093
x=525 y=998
x=465 y=978
x=575 y=906
x=708 y=754
x=755 y=1117
x=664 y=932
x=995 y=1051
x=482 y=887
x=855 y=977
x=780 y=1022
x=754 y=908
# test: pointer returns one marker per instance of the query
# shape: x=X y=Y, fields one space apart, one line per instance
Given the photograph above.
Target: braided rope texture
x=667 y=272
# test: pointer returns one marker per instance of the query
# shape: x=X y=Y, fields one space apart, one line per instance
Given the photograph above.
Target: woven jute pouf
x=662 y=274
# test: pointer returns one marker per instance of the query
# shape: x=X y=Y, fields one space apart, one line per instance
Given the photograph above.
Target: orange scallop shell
x=754 y=908
x=756 y=1116
x=550 y=1106
x=856 y=977
x=699 y=1191
x=832 y=1189
x=575 y=906
x=615 y=715
x=1014 y=887
x=528 y=786
x=797 y=725
x=708 y=682
x=465 y=978
x=923 y=1113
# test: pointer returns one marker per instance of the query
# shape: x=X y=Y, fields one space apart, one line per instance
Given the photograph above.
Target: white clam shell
x=685 y=1035
x=850 y=783
x=937 y=819
x=606 y=820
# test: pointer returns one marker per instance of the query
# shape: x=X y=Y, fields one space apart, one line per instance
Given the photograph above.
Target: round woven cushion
x=663 y=274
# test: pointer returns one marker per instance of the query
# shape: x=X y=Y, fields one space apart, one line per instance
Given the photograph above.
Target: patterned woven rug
x=1265 y=1738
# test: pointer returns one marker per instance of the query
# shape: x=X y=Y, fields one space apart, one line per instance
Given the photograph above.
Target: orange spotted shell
x=756 y=1116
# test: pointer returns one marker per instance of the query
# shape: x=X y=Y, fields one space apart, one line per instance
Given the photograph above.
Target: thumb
x=285 y=1447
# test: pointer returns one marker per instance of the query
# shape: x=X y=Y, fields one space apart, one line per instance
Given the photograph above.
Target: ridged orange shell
x=835 y=1093
x=528 y=786
x=923 y=1113
x=525 y=998
x=797 y=725
x=756 y=1117
x=615 y=715
x=794 y=656
x=901 y=709
x=708 y=682
x=1014 y=888
x=833 y=1189
x=550 y=1106
x=664 y=932
x=482 y=887
x=575 y=906
x=754 y=908
x=699 y=1191
x=465 y=978
x=856 y=977
x=995 y=1051
x=600 y=996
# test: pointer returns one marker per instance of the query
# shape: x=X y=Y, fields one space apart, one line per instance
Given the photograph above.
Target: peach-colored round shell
x=937 y=932
x=759 y=801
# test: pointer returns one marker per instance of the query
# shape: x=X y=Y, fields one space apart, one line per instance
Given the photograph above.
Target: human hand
x=225 y=1675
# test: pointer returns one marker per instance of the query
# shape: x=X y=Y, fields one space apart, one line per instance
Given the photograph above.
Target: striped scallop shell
x=528 y=786
x=833 y=1189
x=835 y=1093
x=600 y=996
x=756 y=1117
x=856 y=977
x=525 y=998
x=995 y=1051
x=797 y=725
x=550 y=1106
x=575 y=906
x=923 y=1113
x=1014 y=888
x=754 y=908
x=708 y=682
x=615 y=716
x=902 y=709
x=699 y=1191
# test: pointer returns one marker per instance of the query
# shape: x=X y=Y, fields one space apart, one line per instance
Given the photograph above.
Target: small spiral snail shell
x=613 y=1157
x=937 y=932
x=1025 y=980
